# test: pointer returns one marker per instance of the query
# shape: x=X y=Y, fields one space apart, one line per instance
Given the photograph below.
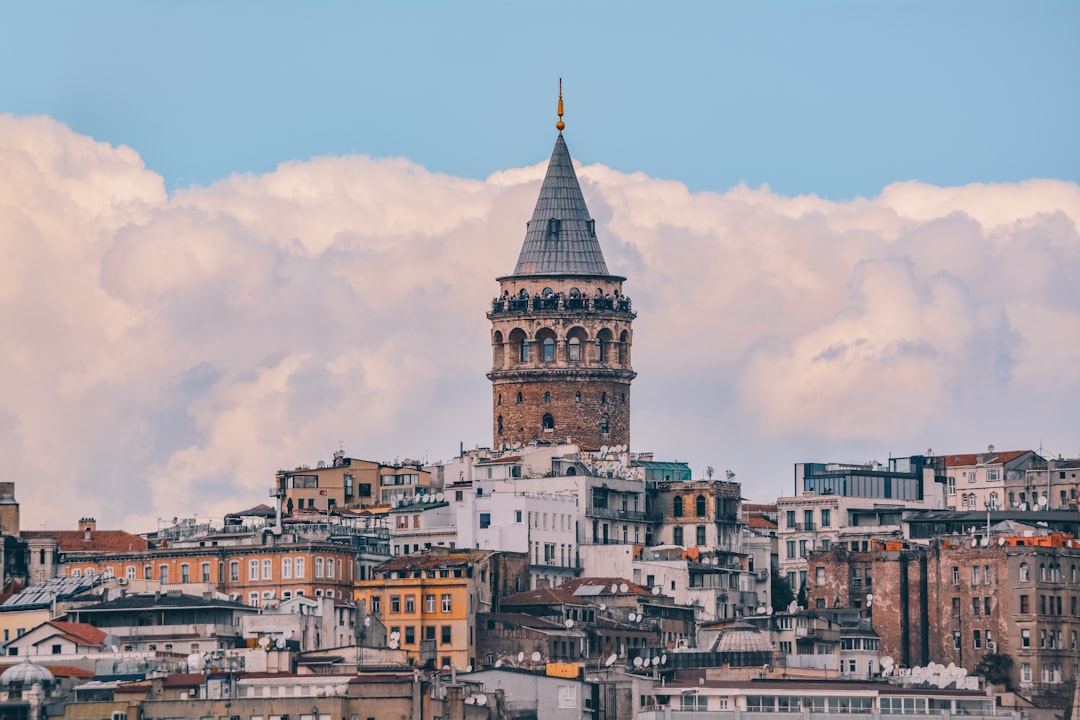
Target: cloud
x=165 y=356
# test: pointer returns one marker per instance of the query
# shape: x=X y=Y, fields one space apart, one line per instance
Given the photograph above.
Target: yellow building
x=349 y=483
x=430 y=600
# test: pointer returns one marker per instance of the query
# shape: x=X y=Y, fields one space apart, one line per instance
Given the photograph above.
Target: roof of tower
x=561 y=237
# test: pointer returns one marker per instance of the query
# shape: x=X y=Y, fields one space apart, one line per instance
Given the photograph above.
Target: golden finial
x=560 y=125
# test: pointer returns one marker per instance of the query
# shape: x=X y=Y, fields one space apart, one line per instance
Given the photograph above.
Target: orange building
x=430 y=600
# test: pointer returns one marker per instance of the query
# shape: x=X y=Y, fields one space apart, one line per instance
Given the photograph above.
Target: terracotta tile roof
x=184 y=680
x=262 y=510
x=522 y=619
x=970 y=459
x=101 y=541
x=632 y=588
x=761 y=523
x=82 y=633
x=430 y=560
x=543 y=596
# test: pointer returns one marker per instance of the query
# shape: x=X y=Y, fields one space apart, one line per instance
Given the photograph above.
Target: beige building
x=348 y=483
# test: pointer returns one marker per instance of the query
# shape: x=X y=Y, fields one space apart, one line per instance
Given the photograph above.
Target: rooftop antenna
x=560 y=125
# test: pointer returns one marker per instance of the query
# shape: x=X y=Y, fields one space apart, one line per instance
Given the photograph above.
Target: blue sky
x=833 y=98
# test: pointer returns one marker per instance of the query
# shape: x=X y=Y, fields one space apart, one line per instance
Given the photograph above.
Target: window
x=1025 y=572
x=376 y=604
x=567 y=696
x=286 y=568
x=129 y=572
x=547 y=397
x=253 y=599
x=791 y=519
x=204 y=572
x=808 y=519
x=234 y=571
x=577 y=397
x=299 y=567
x=445 y=638
x=410 y=634
x=699 y=506
x=429 y=603
x=993 y=474
x=677 y=535
x=791 y=549
x=700 y=535
x=549 y=349
x=253 y=569
x=803 y=548
x=1025 y=604
x=605 y=424
x=410 y=603
x=677 y=506
x=524 y=356
x=318 y=567
x=1025 y=672
x=975 y=574
x=574 y=350
x=185 y=573
x=330 y=561
x=485 y=521
x=395 y=603
x=267 y=569
x=826 y=517
x=548 y=421
x=517 y=516
x=163 y=576
x=447 y=602
x=1025 y=638
x=952 y=485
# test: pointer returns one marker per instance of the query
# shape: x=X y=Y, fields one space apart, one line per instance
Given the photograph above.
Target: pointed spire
x=561 y=236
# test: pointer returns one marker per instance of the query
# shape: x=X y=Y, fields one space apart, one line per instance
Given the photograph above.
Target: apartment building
x=348 y=483
x=977 y=481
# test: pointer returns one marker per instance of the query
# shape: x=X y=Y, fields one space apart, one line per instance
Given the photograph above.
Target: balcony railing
x=555 y=303
x=613 y=514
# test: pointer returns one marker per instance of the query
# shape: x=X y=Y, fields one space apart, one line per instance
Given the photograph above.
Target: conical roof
x=561 y=237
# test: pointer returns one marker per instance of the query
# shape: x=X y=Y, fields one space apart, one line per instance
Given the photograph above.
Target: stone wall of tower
x=578 y=406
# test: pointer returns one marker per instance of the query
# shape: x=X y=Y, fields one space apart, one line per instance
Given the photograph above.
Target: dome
x=744 y=645
x=26 y=673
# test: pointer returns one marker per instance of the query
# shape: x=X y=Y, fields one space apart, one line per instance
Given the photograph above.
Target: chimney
x=88 y=526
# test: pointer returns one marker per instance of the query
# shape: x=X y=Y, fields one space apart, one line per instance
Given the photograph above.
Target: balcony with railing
x=560 y=303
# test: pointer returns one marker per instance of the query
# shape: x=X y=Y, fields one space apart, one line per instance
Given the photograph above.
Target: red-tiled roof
x=632 y=588
x=58 y=670
x=82 y=633
x=101 y=541
x=992 y=458
x=429 y=560
x=543 y=596
x=761 y=523
x=183 y=680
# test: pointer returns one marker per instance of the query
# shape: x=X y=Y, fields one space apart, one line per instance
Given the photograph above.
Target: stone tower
x=561 y=327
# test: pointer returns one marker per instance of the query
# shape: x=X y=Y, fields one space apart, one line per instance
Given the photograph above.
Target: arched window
x=1025 y=574
x=547 y=397
x=553 y=227
x=1042 y=572
x=548 y=422
x=519 y=398
x=547 y=292
x=603 y=398
x=624 y=348
x=605 y=424
x=500 y=399
x=525 y=351
x=699 y=506
x=573 y=350
x=993 y=501
x=577 y=397
x=676 y=508
x=500 y=421
x=549 y=349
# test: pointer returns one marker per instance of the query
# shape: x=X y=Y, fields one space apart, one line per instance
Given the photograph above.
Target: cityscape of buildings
x=557 y=573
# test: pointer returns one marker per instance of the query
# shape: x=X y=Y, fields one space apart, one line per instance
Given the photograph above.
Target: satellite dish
x=624 y=587
x=1042 y=501
x=395 y=635
x=974 y=542
x=985 y=541
x=521 y=656
x=280 y=643
x=655 y=660
x=663 y=659
x=1001 y=541
x=367 y=621
x=535 y=657
x=615 y=588
x=760 y=610
x=468 y=668
x=603 y=449
x=656 y=590
x=393 y=644
x=603 y=607
x=569 y=623
x=637 y=662
x=611 y=660
x=264 y=642
x=481 y=699
x=631 y=616
x=869 y=597
x=769 y=610
x=1023 y=506
x=498 y=663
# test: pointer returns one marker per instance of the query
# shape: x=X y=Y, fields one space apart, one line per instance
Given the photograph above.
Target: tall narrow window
x=547 y=397
x=549 y=349
x=574 y=350
x=699 y=506
x=524 y=351
x=605 y=424
x=500 y=424
x=553 y=227
x=677 y=507
x=549 y=421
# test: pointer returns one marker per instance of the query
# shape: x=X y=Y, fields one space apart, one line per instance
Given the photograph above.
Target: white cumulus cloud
x=164 y=355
